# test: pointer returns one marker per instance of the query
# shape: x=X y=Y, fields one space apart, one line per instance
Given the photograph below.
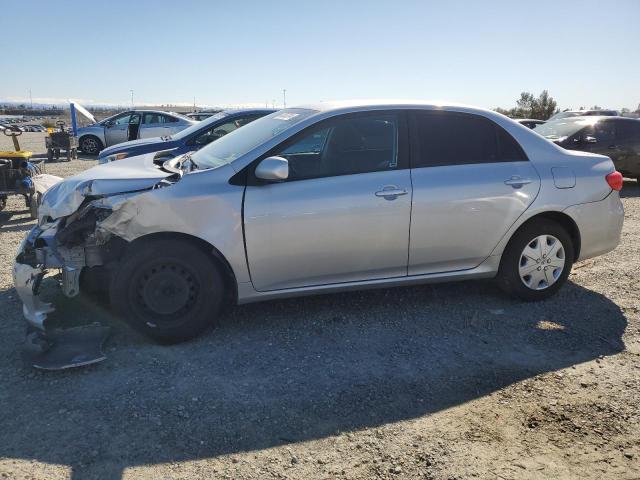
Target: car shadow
x=289 y=371
x=630 y=189
x=15 y=221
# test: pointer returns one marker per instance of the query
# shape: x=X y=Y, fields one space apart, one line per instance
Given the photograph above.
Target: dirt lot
x=436 y=382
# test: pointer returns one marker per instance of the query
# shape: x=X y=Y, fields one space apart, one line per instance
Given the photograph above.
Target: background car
x=130 y=125
x=615 y=137
x=189 y=139
x=585 y=113
x=529 y=122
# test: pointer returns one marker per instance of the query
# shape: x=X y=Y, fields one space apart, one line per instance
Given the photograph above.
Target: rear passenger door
x=471 y=181
x=153 y=125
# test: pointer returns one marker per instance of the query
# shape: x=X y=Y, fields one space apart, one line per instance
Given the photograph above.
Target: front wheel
x=170 y=290
x=537 y=261
x=90 y=145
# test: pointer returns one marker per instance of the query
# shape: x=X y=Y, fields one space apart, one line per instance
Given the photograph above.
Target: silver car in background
x=319 y=199
x=130 y=125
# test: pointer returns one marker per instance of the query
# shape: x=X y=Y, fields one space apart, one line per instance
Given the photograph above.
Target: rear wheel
x=170 y=290
x=537 y=261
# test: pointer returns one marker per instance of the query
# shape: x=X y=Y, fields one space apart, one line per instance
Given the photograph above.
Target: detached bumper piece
x=59 y=349
x=52 y=348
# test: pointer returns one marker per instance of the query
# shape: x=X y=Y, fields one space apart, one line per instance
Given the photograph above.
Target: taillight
x=615 y=180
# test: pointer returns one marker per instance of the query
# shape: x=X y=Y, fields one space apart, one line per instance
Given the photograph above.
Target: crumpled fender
x=128 y=175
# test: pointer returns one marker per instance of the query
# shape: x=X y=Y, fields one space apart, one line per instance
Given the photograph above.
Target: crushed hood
x=128 y=175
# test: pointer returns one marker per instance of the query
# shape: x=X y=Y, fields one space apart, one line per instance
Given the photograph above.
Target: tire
x=91 y=145
x=169 y=290
x=536 y=283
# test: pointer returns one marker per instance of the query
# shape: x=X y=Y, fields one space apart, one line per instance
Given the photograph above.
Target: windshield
x=562 y=128
x=196 y=127
x=243 y=140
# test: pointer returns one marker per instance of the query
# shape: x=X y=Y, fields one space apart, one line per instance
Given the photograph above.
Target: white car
x=130 y=125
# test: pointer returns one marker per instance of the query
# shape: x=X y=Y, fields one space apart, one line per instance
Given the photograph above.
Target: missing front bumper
x=52 y=348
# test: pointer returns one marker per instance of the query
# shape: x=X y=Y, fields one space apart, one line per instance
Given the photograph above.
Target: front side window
x=601 y=132
x=168 y=119
x=344 y=146
x=451 y=138
x=122 y=120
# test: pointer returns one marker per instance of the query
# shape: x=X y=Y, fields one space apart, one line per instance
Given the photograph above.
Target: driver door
x=331 y=221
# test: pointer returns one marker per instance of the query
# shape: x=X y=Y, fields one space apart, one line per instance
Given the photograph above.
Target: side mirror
x=273 y=169
x=589 y=139
x=109 y=123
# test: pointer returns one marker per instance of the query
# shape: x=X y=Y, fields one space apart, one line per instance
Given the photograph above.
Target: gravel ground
x=451 y=381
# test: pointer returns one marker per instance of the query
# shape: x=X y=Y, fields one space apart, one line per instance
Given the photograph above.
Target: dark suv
x=615 y=137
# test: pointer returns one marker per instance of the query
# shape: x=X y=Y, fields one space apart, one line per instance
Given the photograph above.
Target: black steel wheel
x=169 y=290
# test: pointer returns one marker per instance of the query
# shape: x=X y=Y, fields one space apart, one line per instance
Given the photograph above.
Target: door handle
x=613 y=147
x=517 y=182
x=390 y=192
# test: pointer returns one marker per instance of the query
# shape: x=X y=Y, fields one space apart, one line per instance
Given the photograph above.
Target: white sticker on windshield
x=286 y=116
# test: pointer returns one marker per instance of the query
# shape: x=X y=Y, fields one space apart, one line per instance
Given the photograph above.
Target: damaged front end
x=68 y=245
x=79 y=234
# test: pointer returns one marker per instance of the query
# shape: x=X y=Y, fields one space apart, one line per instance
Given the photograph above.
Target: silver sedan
x=130 y=125
x=320 y=199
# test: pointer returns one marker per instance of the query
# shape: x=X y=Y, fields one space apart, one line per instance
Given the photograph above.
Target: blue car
x=187 y=140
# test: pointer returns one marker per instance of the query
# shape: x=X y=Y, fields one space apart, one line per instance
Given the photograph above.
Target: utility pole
x=194 y=103
x=131 y=98
x=30 y=99
x=284 y=98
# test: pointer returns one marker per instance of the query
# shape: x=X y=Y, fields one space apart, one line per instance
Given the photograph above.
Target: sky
x=484 y=53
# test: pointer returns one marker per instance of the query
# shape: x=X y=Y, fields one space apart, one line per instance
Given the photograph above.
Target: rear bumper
x=600 y=225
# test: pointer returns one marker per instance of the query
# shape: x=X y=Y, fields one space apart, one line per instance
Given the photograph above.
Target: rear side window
x=451 y=138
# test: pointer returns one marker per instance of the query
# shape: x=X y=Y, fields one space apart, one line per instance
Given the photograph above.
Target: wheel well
x=567 y=223
x=229 y=278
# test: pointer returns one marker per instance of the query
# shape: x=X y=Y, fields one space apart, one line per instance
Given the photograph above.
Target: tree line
x=540 y=107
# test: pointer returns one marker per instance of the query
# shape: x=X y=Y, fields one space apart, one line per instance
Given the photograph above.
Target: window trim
x=415 y=142
x=402 y=157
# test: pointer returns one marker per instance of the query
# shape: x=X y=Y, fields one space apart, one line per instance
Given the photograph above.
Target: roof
x=384 y=103
x=596 y=118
